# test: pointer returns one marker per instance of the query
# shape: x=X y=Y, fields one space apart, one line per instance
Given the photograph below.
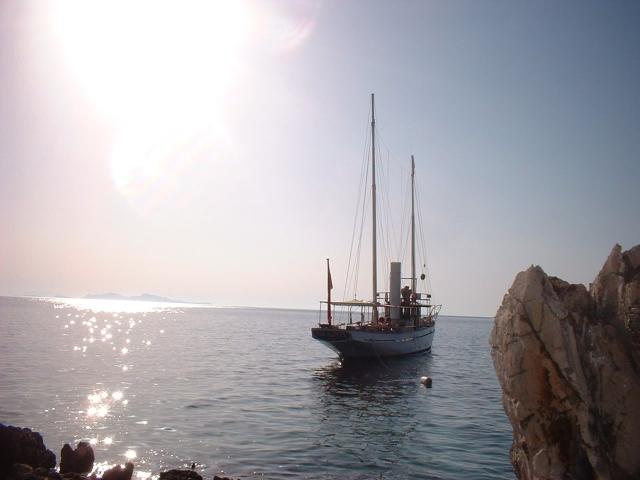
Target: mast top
x=373 y=109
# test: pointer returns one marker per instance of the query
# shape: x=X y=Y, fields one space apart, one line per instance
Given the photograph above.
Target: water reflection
x=118 y=306
x=100 y=403
x=100 y=467
x=373 y=380
x=110 y=337
x=372 y=390
x=379 y=399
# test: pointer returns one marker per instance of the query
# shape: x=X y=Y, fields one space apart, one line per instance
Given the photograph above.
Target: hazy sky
x=213 y=151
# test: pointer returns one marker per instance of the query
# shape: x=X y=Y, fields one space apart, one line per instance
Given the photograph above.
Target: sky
x=212 y=151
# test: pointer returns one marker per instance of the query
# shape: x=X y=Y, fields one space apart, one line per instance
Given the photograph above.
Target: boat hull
x=367 y=344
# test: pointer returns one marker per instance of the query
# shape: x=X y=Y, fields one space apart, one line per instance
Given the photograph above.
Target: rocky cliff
x=568 y=361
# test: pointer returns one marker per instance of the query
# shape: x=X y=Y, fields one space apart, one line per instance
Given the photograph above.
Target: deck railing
x=360 y=313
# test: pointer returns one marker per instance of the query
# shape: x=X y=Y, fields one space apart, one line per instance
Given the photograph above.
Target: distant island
x=145 y=297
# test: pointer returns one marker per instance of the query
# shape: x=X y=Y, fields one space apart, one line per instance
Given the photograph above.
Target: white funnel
x=394 y=289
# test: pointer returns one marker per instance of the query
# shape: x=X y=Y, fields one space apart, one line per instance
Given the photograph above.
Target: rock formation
x=21 y=445
x=568 y=361
x=79 y=460
x=119 y=473
x=185 y=475
x=180 y=475
x=23 y=456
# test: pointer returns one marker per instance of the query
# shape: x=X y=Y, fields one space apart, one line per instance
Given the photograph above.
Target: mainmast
x=373 y=205
x=413 y=228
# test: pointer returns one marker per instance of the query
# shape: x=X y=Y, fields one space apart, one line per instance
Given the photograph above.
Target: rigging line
x=403 y=219
x=421 y=230
x=387 y=221
x=423 y=243
x=383 y=223
x=406 y=214
x=393 y=240
x=385 y=261
x=402 y=222
x=407 y=242
x=381 y=141
x=361 y=191
x=405 y=239
x=389 y=232
x=383 y=249
x=353 y=233
x=359 y=250
x=356 y=272
x=403 y=245
x=380 y=138
x=380 y=358
x=390 y=157
x=422 y=238
x=380 y=219
x=363 y=177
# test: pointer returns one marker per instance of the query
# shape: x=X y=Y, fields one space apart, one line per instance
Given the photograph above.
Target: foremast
x=414 y=293
x=413 y=227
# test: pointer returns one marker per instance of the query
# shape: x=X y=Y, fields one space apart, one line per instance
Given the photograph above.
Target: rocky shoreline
x=568 y=361
x=24 y=456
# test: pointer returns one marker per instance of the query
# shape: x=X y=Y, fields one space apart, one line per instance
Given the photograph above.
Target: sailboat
x=396 y=323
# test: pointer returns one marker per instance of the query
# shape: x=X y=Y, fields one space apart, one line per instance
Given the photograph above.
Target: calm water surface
x=247 y=392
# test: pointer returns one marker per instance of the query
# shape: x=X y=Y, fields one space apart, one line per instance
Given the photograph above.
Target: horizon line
x=202 y=304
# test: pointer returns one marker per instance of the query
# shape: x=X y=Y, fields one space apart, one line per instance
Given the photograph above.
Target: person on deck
x=406 y=301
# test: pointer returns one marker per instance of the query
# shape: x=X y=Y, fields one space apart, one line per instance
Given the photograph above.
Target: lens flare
x=161 y=80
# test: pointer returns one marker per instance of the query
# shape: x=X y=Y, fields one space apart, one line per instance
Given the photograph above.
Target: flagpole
x=329 y=287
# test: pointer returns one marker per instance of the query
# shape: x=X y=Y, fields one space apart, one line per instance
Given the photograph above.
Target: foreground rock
x=119 y=473
x=180 y=475
x=22 y=446
x=568 y=361
x=21 y=471
x=184 y=475
x=23 y=456
x=79 y=460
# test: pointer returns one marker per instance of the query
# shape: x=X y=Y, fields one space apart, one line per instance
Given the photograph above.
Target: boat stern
x=328 y=333
x=333 y=337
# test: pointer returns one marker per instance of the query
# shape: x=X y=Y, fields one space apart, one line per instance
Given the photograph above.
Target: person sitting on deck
x=384 y=324
x=386 y=305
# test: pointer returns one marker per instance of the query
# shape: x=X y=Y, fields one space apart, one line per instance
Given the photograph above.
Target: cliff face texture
x=568 y=361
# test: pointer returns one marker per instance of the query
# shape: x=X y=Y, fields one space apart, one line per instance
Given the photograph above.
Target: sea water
x=248 y=393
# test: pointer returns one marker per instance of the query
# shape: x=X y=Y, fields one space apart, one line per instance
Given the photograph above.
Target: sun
x=138 y=57
x=164 y=75
x=159 y=71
